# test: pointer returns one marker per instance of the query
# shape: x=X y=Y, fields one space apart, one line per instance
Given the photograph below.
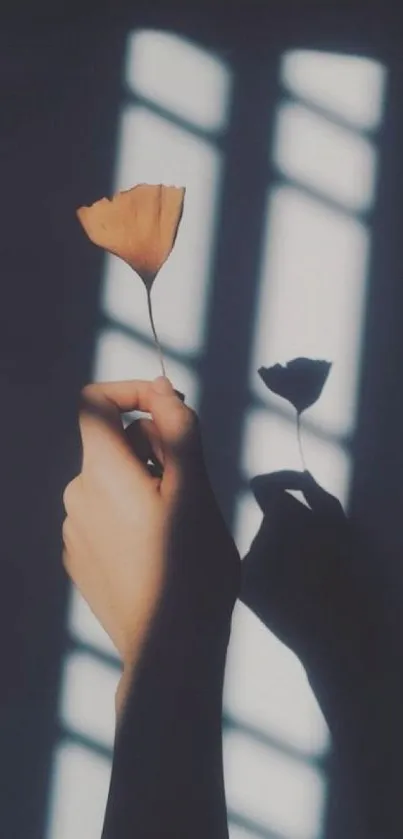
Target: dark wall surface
x=60 y=89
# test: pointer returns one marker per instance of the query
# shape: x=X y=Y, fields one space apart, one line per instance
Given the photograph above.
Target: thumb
x=177 y=426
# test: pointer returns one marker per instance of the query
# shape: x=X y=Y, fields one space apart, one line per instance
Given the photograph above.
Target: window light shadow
x=83 y=625
x=295 y=790
x=337 y=162
x=237 y=832
x=270 y=445
x=187 y=80
x=88 y=698
x=312 y=298
x=248 y=519
x=312 y=302
x=80 y=784
x=348 y=86
x=165 y=153
x=123 y=357
x=241 y=827
x=280 y=704
x=178 y=145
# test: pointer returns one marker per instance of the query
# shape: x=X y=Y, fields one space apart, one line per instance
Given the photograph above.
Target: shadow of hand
x=304 y=577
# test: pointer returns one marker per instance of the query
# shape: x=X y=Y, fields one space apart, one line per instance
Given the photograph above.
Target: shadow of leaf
x=300 y=381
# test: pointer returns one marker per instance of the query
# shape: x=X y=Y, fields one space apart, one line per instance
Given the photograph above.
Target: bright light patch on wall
x=88 y=703
x=348 y=86
x=236 y=832
x=332 y=160
x=80 y=782
x=281 y=794
x=312 y=298
x=179 y=76
x=281 y=705
x=248 y=518
x=121 y=357
x=311 y=303
x=153 y=150
x=85 y=627
x=270 y=444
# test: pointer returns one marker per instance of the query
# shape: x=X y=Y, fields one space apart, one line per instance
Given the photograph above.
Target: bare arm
x=153 y=558
x=167 y=776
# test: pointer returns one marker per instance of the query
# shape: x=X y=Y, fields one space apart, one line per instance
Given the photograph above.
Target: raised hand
x=135 y=541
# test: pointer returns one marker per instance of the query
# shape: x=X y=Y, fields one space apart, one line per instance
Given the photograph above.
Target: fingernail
x=162 y=385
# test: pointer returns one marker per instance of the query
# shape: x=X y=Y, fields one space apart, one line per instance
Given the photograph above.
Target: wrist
x=196 y=653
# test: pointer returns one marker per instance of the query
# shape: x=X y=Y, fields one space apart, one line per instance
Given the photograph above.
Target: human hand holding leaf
x=140 y=226
x=300 y=381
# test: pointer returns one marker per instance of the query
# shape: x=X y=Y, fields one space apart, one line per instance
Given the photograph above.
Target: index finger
x=100 y=420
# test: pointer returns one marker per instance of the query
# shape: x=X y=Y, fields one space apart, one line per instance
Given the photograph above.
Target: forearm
x=167 y=774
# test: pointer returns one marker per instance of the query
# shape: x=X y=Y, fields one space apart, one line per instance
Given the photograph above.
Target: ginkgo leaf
x=139 y=225
x=300 y=381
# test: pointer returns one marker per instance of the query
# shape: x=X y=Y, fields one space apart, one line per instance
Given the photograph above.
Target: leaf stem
x=299 y=437
x=157 y=343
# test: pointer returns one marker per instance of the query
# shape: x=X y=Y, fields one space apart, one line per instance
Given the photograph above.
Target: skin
x=154 y=560
x=120 y=518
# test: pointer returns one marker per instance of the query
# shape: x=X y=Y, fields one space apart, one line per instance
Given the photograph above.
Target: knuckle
x=88 y=392
x=87 y=388
x=67 y=496
x=66 y=531
x=187 y=432
x=70 y=494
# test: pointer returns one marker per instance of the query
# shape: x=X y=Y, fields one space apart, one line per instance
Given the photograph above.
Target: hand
x=134 y=541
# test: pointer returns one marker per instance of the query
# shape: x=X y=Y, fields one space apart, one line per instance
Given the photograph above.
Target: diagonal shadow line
x=229 y=722
x=235 y=267
x=105 y=321
x=309 y=425
x=67 y=735
x=259 y=830
x=109 y=659
x=289 y=97
x=213 y=136
x=195 y=360
x=280 y=179
x=270 y=741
